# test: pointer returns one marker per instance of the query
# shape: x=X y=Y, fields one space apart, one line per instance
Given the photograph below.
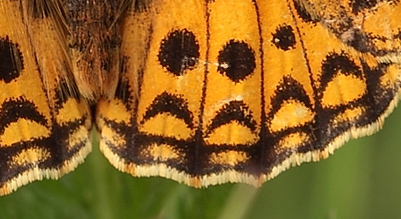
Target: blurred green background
x=361 y=180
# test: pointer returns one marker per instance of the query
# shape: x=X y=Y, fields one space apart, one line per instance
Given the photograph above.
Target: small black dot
x=179 y=51
x=284 y=38
x=236 y=60
x=11 y=63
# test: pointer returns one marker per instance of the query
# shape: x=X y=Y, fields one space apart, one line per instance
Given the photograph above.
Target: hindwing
x=238 y=91
x=201 y=92
x=43 y=122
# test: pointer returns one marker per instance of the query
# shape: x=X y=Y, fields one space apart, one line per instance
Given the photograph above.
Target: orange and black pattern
x=44 y=124
x=240 y=95
x=202 y=92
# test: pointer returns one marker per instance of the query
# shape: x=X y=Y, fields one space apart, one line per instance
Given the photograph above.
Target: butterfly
x=201 y=92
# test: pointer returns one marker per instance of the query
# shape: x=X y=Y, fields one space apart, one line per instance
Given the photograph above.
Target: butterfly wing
x=44 y=125
x=212 y=94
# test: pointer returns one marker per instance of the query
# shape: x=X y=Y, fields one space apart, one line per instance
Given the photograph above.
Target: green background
x=361 y=180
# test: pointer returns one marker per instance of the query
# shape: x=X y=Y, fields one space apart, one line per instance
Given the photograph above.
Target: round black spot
x=11 y=63
x=236 y=60
x=284 y=38
x=179 y=51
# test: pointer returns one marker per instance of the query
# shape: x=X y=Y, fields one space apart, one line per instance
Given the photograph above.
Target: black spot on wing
x=172 y=104
x=236 y=60
x=284 y=38
x=11 y=62
x=234 y=111
x=179 y=52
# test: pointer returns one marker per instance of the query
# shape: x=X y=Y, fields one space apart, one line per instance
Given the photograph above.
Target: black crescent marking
x=233 y=111
x=289 y=89
x=338 y=63
x=172 y=104
x=12 y=110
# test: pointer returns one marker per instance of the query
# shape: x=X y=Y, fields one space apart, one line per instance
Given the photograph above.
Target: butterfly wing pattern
x=44 y=126
x=209 y=92
x=238 y=91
